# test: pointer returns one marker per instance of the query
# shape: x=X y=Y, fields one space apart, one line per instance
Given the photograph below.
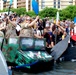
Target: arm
x=3 y=26
x=9 y=21
x=33 y=22
x=60 y=27
x=37 y=36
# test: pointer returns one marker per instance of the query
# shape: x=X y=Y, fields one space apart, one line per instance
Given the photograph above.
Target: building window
x=58 y=0
x=43 y=1
x=58 y=6
x=58 y=3
x=54 y=3
x=18 y=0
x=54 y=6
x=71 y=1
x=42 y=4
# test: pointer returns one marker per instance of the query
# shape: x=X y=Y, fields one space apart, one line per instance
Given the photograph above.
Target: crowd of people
x=14 y=25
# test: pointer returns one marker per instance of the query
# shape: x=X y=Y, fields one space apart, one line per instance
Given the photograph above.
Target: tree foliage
x=31 y=13
x=48 y=12
x=19 y=11
x=67 y=13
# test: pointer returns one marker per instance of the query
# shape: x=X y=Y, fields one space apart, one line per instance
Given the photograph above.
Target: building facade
x=16 y=4
x=1 y=5
x=59 y=4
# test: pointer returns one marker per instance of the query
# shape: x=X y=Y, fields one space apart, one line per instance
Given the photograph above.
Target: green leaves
x=67 y=13
x=48 y=12
x=19 y=11
x=31 y=13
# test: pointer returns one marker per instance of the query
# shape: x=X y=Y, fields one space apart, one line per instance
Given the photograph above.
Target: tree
x=48 y=12
x=31 y=13
x=19 y=11
x=69 y=12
